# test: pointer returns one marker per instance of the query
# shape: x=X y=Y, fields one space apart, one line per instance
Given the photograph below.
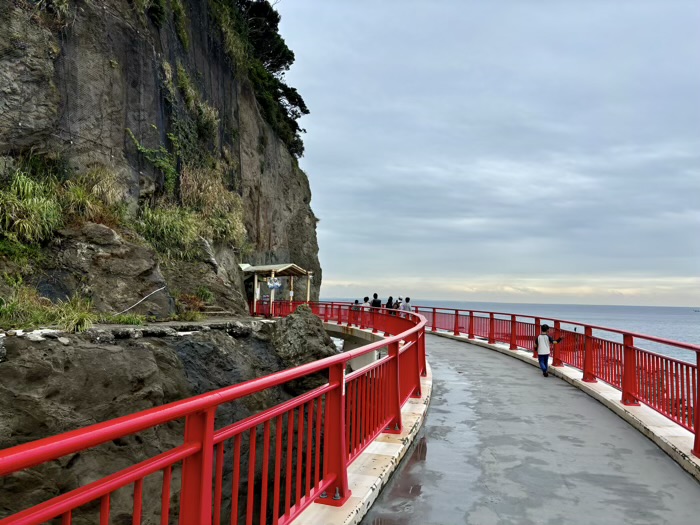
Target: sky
x=528 y=151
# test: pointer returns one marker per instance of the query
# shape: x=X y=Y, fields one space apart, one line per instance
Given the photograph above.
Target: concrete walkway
x=502 y=444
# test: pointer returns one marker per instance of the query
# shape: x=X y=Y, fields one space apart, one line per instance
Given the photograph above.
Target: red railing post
x=629 y=372
x=374 y=321
x=363 y=315
x=696 y=420
x=434 y=327
x=417 y=391
x=456 y=328
x=337 y=447
x=513 y=328
x=340 y=317
x=196 y=492
x=424 y=363
x=394 y=400
x=471 y=325
x=556 y=355
x=492 y=328
x=538 y=329
x=588 y=373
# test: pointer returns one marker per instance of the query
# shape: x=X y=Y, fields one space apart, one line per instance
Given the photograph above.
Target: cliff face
x=74 y=82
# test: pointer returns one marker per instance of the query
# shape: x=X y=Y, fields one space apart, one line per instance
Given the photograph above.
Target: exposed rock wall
x=75 y=88
x=54 y=386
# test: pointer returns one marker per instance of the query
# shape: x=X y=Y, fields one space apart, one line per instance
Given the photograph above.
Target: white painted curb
x=373 y=468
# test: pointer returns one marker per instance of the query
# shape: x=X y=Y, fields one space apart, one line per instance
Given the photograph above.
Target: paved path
x=502 y=444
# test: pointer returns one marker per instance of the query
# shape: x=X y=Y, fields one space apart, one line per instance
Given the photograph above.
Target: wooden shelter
x=275 y=271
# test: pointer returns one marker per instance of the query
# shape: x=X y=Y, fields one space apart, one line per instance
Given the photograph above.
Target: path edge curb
x=383 y=455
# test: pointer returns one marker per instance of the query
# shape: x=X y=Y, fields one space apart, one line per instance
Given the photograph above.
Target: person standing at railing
x=365 y=302
x=406 y=306
x=390 y=305
x=544 y=342
x=355 y=309
x=376 y=302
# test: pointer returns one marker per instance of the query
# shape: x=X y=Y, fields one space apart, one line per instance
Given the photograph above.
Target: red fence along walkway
x=667 y=385
x=297 y=452
x=301 y=447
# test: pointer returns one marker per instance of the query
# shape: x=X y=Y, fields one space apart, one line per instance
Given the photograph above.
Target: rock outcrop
x=99 y=263
x=48 y=387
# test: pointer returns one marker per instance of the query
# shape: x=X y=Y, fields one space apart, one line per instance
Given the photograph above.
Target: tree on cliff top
x=269 y=58
x=262 y=25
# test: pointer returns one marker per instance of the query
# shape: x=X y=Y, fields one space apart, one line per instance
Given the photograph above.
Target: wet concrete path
x=502 y=444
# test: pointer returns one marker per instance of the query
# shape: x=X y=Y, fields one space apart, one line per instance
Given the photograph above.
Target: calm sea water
x=674 y=323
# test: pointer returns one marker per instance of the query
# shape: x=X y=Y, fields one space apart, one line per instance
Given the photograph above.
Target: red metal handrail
x=361 y=405
x=334 y=423
x=669 y=386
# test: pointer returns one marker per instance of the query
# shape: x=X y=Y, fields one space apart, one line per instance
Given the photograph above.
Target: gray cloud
x=526 y=146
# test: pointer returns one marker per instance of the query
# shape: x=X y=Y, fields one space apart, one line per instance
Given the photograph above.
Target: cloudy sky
x=541 y=151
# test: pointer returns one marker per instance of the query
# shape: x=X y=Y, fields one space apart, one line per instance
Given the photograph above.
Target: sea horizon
x=421 y=302
x=674 y=323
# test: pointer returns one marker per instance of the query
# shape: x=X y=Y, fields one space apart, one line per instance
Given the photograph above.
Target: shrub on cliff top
x=250 y=33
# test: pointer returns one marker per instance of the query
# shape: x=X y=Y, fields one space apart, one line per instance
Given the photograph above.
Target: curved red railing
x=302 y=447
x=669 y=386
x=297 y=451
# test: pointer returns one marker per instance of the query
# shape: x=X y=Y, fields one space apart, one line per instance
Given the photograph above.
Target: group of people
x=376 y=302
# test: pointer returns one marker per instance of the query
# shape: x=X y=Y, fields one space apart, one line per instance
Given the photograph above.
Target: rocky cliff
x=155 y=97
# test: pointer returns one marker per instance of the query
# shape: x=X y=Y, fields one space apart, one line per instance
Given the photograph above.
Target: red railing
x=297 y=452
x=669 y=386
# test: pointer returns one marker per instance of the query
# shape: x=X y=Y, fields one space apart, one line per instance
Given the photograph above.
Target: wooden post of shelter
x=291 y=288
x=272 y=294
x=255 y=293
x=308 y=286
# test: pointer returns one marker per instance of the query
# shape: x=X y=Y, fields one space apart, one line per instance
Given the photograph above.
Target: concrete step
x=213 y=308
x=222 y=313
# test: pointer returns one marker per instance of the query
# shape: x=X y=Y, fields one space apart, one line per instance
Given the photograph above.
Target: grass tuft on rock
x=26 y=309
x=180 y=19
x=130 y=319
x=205 y=294
x=205 y=191
x=171 y=230
x=29 y=210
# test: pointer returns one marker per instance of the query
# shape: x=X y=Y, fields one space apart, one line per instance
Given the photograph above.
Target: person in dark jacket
x=376 y=302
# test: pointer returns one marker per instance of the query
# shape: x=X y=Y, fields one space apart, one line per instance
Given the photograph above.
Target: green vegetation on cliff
x=25 y=308
x=250 y=32
x=35 y=205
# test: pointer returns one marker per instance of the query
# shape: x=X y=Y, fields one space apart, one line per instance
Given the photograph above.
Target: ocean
x=674 y=323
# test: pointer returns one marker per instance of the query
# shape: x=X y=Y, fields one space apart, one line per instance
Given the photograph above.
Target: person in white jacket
x=544 y=342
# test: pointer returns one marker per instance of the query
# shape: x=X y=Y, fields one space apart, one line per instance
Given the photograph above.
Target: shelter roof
x=281 y=270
